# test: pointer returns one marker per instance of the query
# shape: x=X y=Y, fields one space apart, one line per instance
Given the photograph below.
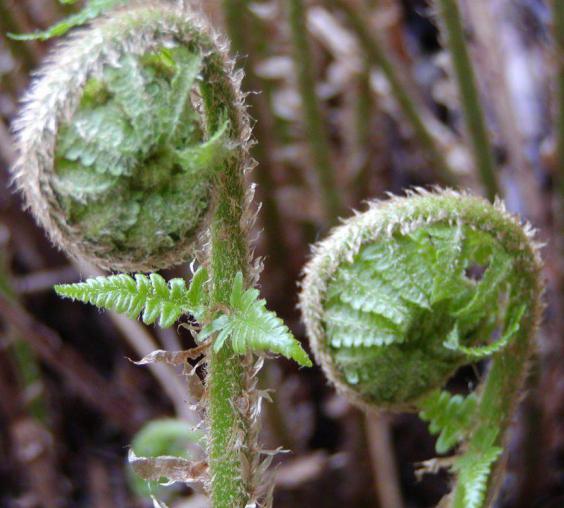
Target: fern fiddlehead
x=118 y=147
x=133 y=144
x=396 y=299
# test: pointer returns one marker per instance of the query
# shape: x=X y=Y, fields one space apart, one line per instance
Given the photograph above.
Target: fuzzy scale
x=52 y=102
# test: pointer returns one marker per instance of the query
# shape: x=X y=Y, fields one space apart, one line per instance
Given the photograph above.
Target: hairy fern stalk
x=398 y=298
x=133 y=148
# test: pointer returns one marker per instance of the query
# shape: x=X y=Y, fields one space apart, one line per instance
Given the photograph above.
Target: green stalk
x=225 y=377
x=228 y=255
x=234 y=15
x=315 y=130
x=469 y=96
x=408 y=104
x=504 y=383
x=363 y=108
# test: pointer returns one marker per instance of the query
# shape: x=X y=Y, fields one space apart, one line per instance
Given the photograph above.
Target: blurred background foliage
x=352 y=99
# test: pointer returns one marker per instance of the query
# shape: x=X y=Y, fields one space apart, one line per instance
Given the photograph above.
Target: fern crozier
x=117 y=152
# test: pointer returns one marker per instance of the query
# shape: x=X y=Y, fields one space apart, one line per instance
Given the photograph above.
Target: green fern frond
x=473 y=470
x=197 y=297
x=151 y=296
x=450 y=416
x=348 y=327
x=127 y=295
x=251 y=327
x=410 y=298
x=92 y=10
x=398 y=298
x=129 y=86
x=207 y=155
x=134 y=166
x=187 y=69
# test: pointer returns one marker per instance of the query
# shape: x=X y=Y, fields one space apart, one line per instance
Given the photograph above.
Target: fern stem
x=228 y=255
x=316 y=132
x=407 y=103
x=234 y=15
x=501 y=391
x=469 y=96
x=361 y=151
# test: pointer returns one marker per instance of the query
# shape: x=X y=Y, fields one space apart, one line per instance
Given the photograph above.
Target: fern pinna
x=398 y=298
x=247 y=324
x=133 y=148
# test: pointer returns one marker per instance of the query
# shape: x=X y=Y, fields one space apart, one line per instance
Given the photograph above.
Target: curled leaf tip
x=117 y=151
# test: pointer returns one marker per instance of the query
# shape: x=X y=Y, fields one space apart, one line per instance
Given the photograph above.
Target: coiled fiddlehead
x=122 y=133
x=396 y=299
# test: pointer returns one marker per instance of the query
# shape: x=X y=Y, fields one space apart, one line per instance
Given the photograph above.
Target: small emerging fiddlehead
x=401 y=296
x=119 y=141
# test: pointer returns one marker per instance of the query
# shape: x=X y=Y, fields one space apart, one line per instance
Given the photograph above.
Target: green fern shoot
x=91 y=11
x=398 y=298
x=133 y=147
x=246 y=322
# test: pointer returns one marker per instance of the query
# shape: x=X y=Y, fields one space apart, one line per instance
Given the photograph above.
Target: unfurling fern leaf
x=398 y=298
x=450 y=416
x=133 y=140
x=152 y=296
x=251 y=327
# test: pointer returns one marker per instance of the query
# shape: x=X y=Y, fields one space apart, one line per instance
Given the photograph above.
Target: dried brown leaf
x=174 y=469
